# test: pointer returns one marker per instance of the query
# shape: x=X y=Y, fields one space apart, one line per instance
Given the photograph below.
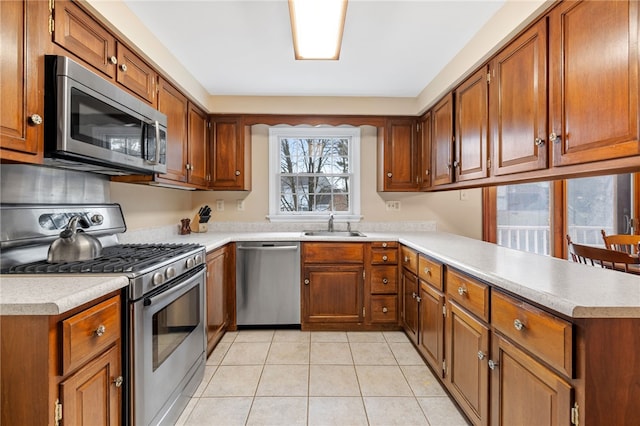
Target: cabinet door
x=217 y=316
x=523 y=391
x=134 y=74
x=593 y=80
x=230 y=154
x=91 y=395
x=442 y=141
x=467 y=372
x=198 y=161
x=410 y=304
x=174 y=105
x=81 y=35
x=431 y=326
x=424 y=141
x=400 y=156
x=472 y=126
x=21 y=80
x=518 y=103
x=332 y=294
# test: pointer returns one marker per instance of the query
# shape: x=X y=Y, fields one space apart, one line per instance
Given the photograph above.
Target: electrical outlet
x=240 y=205
x=393 y=206
x=220 y=205
x=464 y=196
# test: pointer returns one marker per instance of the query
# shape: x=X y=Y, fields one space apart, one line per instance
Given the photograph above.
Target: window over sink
x=314 y=172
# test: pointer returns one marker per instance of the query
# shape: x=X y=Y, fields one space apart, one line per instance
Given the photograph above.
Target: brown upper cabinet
x=230 y=154
x=174 y=105
x=198 y=146
x=398 y=156
x=22 y=81
x=593 y=58
x=134 y=74
x=472 y=125
x=442 y=141
x=518 y=103
x=424 y=145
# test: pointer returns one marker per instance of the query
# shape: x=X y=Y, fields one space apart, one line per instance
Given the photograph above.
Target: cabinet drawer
x=409 y=259
x=384 y=256
x=89 y=332
x=384 y=279
x=333 y=253
x=384 y=309
x=384 y=244
x=469 y=293
x=539 y=332
x=430 y=271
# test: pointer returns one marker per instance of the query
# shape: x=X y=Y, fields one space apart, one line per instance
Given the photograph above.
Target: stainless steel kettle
x=74 y=245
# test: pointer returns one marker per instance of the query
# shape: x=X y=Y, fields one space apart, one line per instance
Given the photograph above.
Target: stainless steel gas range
x=165 y=327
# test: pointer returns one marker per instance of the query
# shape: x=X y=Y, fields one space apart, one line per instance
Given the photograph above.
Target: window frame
x=278 y=132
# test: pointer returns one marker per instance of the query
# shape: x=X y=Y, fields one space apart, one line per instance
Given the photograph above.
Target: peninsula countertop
x=573 y=290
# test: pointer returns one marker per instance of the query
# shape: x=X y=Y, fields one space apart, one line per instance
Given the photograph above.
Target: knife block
x=198 y=227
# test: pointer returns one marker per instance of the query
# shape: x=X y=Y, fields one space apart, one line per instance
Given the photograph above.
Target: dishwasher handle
x=269 y=248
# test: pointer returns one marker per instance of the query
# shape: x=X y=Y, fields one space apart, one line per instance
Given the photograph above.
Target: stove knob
x=158 y=278
x=198 y=259
x=170 y=272
x=97 y=219
x=190 y=263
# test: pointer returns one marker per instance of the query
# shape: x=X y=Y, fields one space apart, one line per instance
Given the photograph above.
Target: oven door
x=168 y=349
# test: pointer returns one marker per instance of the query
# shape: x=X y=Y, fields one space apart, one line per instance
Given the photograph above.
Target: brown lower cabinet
x=220 y=273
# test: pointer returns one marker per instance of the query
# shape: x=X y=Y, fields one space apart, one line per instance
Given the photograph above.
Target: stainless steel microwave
x=93 y=125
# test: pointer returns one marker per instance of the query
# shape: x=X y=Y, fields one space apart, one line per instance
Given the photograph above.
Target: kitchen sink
x=337 y=234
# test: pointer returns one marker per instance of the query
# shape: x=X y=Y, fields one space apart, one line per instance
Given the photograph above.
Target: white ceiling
x=390 y=48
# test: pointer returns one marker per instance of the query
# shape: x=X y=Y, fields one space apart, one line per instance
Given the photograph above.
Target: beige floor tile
x=388 y=411
x=182 y=420
x=234 y=380
x=406 y=354
x=242 y=353
x=395 y=336
x=422 y=381
x=220 y=412
x=286 y=411
x=440 y=411
x=288 y=353
x=229 y=337
x=218 y=353
x=284 y=380
x=333 y=380
x=209 y=370
x=365 y=336
x=330 y=353
x=382 y=380
x=332 y=411
x=329 y=336
x=254 y=336
x=372 y=354
x=292 y=336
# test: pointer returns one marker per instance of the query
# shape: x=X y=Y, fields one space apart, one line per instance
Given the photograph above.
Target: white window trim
x=275 y=133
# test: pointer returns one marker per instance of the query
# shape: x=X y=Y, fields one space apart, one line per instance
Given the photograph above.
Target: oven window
x=173 y=324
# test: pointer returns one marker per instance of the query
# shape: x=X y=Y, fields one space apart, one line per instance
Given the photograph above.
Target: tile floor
x=292 y=377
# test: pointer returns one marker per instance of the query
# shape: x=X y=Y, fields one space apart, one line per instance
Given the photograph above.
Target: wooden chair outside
x=595 y=256
x=622 y=242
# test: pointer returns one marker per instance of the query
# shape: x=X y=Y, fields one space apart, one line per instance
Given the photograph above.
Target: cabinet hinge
x=57 y=416
x=52 y=24
x=363 y=275
x=575 y=420
x=444 y=367
x=208 y=124
x=444 y=311
x=418 y=127
x=488 y=163
x=363 y=311
x=52 y=5
x=453 y=139
x=488 y=78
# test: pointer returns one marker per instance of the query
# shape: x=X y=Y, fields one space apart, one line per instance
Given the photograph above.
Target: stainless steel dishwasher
x=268 y=283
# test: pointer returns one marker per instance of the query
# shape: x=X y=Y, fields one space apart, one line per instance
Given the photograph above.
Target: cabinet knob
x=237 y=172
x=414 y=295
x=385 y=281
x=118 y=381
x=113 y=60
x=35 y=119
x=461 y=291
x=100 y=330
x=518 y=325
x=406 y=259
x=384 y=245
x=493 y=364
x=123 y=67
x=456 y=163
x=427 y=271
x=418 y=299
x=389 y=174
x=539 y=141
x=553 y=137
x=384 y=309
x=306 y=281
x=481 y=355
x=385 y=258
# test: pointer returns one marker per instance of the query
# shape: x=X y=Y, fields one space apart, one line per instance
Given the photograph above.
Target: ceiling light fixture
x=317 y=27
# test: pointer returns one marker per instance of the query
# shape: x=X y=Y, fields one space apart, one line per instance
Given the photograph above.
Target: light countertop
x=574 y=290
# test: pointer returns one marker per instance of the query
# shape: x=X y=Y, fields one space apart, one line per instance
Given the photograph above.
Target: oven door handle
x=148 y=301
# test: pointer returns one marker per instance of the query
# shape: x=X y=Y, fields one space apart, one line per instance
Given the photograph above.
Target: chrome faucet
x=330 y=229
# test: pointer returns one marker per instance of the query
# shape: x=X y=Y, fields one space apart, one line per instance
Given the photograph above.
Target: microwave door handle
x=157 y=157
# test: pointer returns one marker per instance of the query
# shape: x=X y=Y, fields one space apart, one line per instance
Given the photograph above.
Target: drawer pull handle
x=493 y=364
x=35 y=119
x=384 y=309
x=462 y=291
x=118 y=381
x=384 y=245
x=113 y=60
x=427 y=271
x=481 y=355
x=100 y=330
x=123 y=67
x=385 y=281
x=306 y=282
x=385 y=258
x=518 y=325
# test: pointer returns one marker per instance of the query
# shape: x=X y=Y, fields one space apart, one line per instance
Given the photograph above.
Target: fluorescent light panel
x=317 y=27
